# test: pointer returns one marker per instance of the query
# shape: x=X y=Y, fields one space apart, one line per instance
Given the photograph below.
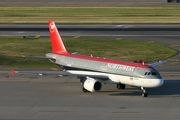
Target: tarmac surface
x=32 y=97
x=87 y=3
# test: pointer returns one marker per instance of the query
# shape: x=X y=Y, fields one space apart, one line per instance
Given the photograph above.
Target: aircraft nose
x=159 y=82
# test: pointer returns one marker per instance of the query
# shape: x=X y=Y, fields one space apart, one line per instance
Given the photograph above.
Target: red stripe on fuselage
x=106 y=60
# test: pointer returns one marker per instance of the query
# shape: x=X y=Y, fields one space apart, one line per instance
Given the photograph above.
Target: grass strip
x=13 y=48
x=92 y=15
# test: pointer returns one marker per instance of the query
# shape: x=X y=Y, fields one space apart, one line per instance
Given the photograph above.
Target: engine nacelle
x=92 y=85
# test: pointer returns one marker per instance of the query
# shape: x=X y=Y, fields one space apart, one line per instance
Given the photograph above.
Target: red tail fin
x=56 y=41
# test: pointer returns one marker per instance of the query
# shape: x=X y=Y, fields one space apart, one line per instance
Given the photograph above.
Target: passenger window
x=145 y=73
x=149 y=73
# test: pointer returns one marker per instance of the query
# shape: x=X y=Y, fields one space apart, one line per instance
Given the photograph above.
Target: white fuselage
x=125 y=74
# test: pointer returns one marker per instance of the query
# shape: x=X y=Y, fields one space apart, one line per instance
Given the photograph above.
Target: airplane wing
x=157 y=63
x=102 y=77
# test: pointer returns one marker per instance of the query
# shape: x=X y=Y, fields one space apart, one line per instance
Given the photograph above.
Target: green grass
x=13 y=48
x=95 y=15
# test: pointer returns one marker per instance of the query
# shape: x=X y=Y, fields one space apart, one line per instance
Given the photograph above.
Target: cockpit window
x=150 y=73
x=153 y=73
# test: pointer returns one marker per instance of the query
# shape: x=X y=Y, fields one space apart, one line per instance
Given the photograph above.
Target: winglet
x=13 y=71
x=56 y=40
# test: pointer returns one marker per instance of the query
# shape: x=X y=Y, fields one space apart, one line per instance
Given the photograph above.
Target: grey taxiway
x=88 y=3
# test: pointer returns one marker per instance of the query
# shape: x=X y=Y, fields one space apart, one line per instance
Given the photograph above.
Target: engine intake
x=92 y=85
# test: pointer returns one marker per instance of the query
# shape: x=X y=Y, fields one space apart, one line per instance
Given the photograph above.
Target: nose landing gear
x=144 y=94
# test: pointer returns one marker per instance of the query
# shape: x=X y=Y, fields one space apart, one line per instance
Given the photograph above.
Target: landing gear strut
x=144 y=94
x=121 y=86
x=82 y=79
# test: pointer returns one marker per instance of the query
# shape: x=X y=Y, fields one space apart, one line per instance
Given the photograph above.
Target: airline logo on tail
x=52 y=27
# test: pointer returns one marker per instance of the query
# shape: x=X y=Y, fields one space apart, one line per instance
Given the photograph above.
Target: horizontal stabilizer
x=38 y=57
x=74 y=53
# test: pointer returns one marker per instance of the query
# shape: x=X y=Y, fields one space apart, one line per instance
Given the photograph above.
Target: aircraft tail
x=56 y=40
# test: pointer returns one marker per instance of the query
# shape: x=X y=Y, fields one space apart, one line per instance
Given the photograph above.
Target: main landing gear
x=84 y=90
x=144 y=94
x=82 y=79
x=120 y=86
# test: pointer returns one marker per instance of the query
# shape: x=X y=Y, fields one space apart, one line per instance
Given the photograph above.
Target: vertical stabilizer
x=56 y=41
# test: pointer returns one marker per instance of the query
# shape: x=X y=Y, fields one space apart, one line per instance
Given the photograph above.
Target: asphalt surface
x=32 y=97
x=87 y=3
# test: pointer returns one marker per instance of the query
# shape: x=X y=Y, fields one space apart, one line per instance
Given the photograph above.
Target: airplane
x=93 y=71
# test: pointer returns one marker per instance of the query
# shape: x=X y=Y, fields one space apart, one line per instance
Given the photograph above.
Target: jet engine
x=92 y=85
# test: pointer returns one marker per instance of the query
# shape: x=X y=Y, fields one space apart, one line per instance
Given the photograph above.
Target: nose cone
x=158 y=82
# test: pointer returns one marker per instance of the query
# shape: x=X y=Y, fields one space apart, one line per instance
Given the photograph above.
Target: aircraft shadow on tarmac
x=170 y=87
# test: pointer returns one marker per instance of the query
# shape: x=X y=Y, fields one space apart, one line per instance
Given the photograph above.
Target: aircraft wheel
x=121 y=86
x=169 y=1
x=144 y=95
x=84 y=90
x=118 y=86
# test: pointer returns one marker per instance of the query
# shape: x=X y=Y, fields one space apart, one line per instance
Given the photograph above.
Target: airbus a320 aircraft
x=93 y=71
